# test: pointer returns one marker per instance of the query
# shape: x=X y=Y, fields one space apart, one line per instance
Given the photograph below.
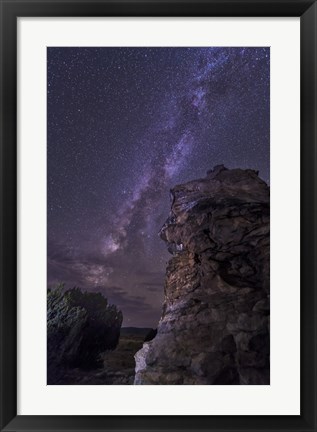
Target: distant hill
x=135 y=331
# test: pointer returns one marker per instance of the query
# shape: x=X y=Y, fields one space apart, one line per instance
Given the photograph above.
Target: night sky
x=124 y=126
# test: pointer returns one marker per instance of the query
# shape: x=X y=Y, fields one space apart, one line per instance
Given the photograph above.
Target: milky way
x=124 y=126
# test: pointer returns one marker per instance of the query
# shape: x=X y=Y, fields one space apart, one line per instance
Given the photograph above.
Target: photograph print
x=158 y=215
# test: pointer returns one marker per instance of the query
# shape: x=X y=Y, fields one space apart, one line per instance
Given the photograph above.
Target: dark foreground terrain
x=118 y=365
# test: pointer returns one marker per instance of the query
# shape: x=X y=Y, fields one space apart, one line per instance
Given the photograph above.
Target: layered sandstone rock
x=214 y=327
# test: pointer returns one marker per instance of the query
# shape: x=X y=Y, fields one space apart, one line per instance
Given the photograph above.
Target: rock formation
x=80 y=326
x=214 y=327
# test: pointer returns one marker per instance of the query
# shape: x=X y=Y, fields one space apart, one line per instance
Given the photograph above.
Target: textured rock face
x=214 y=327
x=80 y=326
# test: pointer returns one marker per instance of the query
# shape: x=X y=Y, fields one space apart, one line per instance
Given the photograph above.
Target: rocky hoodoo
x=214 y=327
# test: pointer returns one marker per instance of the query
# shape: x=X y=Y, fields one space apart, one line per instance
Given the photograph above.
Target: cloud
x=67 y=265
x=92 y=272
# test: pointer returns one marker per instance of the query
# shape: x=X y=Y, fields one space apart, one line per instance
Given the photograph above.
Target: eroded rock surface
x=214 y=327
x=80 y=327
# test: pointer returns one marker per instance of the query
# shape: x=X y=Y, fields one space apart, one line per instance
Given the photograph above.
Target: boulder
x=80 y=326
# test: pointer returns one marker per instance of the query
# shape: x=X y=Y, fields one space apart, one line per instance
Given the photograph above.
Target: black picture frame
x=10 y=11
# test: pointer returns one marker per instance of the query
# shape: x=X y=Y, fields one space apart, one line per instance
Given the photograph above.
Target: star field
x=124 y=126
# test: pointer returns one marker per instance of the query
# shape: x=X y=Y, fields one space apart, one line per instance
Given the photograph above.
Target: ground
x=118 y=364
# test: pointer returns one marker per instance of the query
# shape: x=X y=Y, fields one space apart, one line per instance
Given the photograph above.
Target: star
x=125 y=125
